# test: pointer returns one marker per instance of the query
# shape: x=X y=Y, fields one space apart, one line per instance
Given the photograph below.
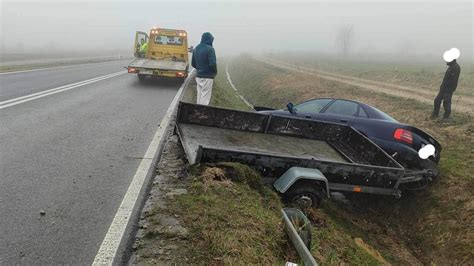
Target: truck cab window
x=168 y=40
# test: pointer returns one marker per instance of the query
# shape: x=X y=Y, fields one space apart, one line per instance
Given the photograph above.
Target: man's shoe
x=433 y=117
x=445 y=120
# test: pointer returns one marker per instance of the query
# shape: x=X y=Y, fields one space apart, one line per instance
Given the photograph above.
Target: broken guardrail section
x=298 y=228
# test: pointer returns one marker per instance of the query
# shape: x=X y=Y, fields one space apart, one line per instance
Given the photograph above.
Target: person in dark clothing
x=205 y=63
x=447 y=88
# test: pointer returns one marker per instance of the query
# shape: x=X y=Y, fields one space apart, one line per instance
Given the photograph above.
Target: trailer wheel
x=141 y=78
x=305 y=195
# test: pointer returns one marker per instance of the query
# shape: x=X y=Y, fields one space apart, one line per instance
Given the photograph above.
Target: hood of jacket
x=207 y=38
x=451 y=63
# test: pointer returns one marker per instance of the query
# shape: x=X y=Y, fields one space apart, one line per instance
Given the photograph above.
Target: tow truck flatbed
x=153 y=64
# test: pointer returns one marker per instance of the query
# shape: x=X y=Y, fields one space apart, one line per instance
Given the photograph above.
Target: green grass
x=232 y=221
x=249 y=77
x=425 y=74
x=334 y=243
x=222 y=93
x=422 y=222
x=235 y=220
x=240 y=222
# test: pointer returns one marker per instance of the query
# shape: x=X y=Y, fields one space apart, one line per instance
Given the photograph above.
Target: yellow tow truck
x=162 y=53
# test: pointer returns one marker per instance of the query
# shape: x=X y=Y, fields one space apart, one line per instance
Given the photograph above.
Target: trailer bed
x=272 y=144
x=235 y=140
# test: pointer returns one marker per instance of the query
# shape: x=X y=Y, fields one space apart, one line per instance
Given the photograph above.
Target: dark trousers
x=445 y=97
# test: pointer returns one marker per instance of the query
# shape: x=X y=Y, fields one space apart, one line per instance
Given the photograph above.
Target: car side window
x=342 y=107
x=313 y=106
x=362 y=113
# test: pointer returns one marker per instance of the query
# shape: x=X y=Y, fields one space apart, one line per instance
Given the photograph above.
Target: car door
x=140 y=37
x=311 y=109
x=340 y=111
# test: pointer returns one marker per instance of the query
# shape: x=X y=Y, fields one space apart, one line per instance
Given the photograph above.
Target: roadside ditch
x=221 y=214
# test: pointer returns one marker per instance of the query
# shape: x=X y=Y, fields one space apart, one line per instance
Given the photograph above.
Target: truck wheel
x=141 y=78
x=305 y=195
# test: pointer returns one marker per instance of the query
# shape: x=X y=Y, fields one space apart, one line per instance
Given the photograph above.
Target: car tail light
x=403 y=135
x=132 y=70
x=180 y=75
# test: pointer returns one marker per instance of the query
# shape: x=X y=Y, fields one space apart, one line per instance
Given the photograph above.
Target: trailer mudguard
x=284 y=182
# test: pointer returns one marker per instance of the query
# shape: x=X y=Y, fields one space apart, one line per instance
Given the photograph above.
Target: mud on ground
x=160 y=231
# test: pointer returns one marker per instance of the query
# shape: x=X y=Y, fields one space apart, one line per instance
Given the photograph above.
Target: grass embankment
x=434 y=225
x=235 y=221
x=231 y=217
x=425 y=75
x=222 y=93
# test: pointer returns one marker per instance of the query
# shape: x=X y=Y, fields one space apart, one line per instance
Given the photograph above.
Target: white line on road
x=54 y=89
x=30 y=97
x=57 y=67
x=111 y=243
x=235 y=89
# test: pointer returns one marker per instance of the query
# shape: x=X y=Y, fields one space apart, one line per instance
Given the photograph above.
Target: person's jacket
x=204 y=58
x=450 y=80
x=144 y=48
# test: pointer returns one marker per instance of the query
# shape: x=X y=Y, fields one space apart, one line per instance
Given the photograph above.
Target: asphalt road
x=72 y=155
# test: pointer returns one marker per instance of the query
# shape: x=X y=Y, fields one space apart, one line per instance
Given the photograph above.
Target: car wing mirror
x=291 y=108
x=191 y=49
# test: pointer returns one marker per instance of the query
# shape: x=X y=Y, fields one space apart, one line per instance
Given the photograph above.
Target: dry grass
x=431 y=226
x=231 y=223
x=426 y=75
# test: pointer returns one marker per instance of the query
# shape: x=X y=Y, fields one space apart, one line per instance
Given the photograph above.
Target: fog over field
x=422 y=28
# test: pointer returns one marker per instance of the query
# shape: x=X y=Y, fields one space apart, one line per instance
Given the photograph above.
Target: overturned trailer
x=306 y=158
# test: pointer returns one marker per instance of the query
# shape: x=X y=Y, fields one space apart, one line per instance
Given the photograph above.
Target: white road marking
x=58 y=67
x=34 y=96
x=235 y=89
x=54 y=89
x=110 y=245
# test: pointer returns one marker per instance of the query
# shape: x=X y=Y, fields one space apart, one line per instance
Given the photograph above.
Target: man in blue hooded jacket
x=204 y=61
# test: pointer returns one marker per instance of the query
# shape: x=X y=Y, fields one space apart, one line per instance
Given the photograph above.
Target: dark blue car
x=400 y=141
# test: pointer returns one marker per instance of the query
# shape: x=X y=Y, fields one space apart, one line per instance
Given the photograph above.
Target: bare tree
x=345 y=39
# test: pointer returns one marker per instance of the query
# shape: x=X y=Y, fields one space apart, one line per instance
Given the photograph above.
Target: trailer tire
x=141 y=78
x=305 y=195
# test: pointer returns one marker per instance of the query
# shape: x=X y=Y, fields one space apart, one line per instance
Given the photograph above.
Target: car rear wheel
x=141 y=78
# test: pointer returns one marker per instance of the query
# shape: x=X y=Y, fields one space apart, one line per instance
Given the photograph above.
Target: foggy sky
x=382 y=27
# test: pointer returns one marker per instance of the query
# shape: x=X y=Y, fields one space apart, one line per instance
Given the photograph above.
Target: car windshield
x=384 y=115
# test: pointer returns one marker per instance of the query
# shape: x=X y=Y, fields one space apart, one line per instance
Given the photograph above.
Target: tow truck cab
x=166 y=54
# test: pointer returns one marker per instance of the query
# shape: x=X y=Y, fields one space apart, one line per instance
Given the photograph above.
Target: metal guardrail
x=300 y=246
